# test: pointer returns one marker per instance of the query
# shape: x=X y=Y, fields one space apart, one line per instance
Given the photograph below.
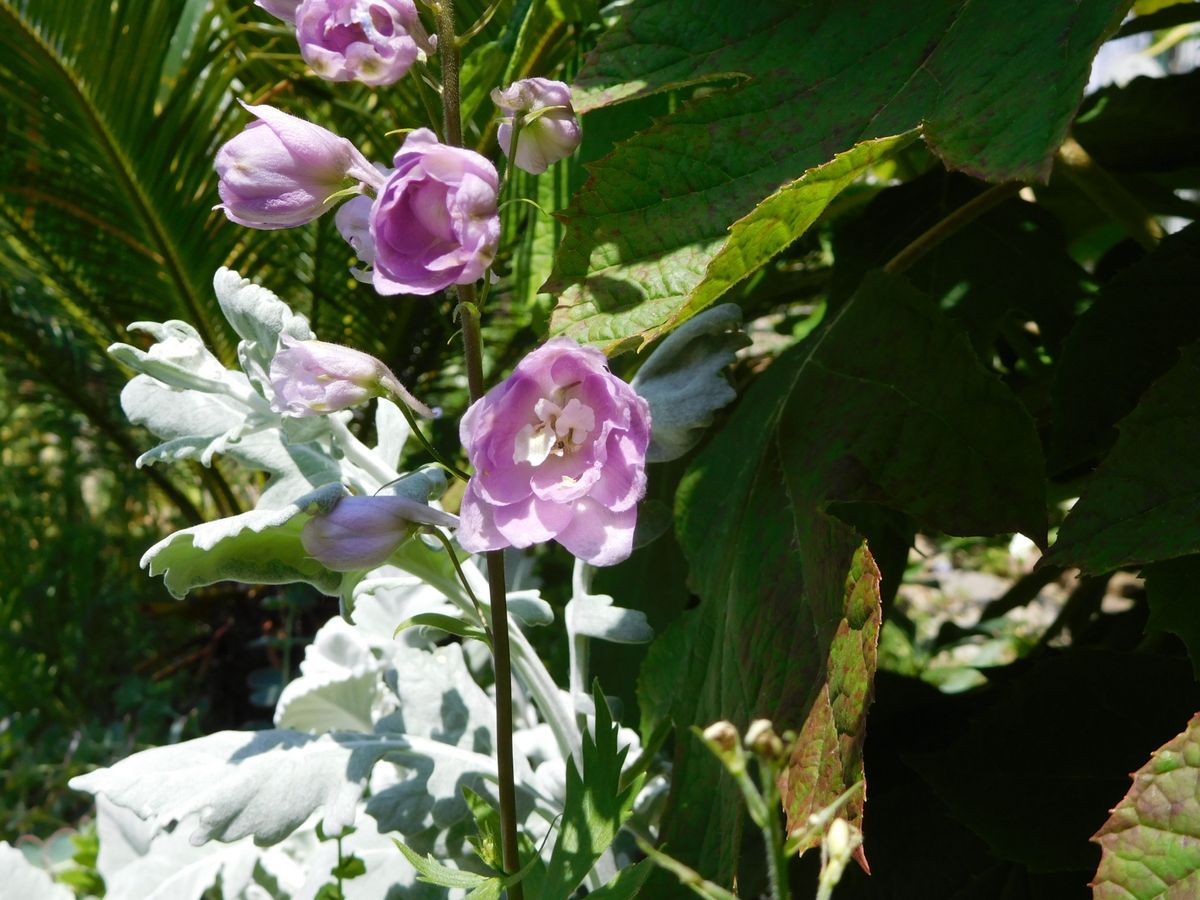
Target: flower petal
x=599 y=536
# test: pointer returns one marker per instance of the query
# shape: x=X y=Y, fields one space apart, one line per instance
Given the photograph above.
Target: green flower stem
x=773 y=836
x=964 y=215
x=1108 y=194
x=462 y=576
x=429 y=448
x=448 y=50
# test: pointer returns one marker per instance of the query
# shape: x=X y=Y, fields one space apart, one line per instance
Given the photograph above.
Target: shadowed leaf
x=887 y=405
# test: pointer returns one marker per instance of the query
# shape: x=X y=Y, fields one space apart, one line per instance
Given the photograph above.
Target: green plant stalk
x=961 y=217
x=448 y=49
x=773 y=837
x=1109 y=195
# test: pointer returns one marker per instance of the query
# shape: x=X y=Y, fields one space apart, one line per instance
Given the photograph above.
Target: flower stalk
x=468 y=314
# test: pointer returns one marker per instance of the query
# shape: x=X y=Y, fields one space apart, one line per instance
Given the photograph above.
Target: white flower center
x=559 y=430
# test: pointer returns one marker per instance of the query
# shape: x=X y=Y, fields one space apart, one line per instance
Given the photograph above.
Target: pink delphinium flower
x=542 y=139
x=362 y=532
x=312 y=378
x=282 y=171
x=435 y=222
x=559 y=450
x=372 y=41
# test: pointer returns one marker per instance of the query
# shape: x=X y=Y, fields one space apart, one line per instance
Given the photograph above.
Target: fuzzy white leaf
x=392 y=429
x=439 y=700
x=139 y=863
x=259 y=318
x=682 y=380
x=262 y=546
x=237 y=784
x=340 y=687
x=23 y=880
x=593 y=615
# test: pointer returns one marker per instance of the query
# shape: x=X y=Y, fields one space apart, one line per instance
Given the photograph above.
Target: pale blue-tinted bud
x=360 y=533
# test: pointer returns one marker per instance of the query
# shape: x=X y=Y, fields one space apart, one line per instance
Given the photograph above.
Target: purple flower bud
x=435 y=222
x=559 y=450
x=280 y=9
x=282 y=171
x=372 y=41
x=362 y=532
x=544 y=138
x=312 y=378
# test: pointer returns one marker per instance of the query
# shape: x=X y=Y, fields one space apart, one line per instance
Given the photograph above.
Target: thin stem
x=423 y=90
x=773 y=837
x=964 y=215
x=578 y=657
x=429 y=448
x=480 y=25
x=462 y=576
x=473 y=358
x=504 y=717
x=1108 y=194
x=448 y=51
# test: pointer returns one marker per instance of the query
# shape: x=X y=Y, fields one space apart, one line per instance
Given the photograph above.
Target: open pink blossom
x=559 y=450
x=435 y=222
x=372 y=41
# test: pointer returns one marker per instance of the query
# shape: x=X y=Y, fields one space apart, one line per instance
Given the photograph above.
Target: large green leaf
x=1151 y=845
x=887 y=405
x=993 y=87
x=1122 y=344
x=1140 y=505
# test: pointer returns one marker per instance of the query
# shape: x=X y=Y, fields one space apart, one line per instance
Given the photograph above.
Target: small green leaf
x=350 y=867
x=448 y=624
x=486 y=840
x=595 y=809
x=1150 y=847
x=433 y=872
